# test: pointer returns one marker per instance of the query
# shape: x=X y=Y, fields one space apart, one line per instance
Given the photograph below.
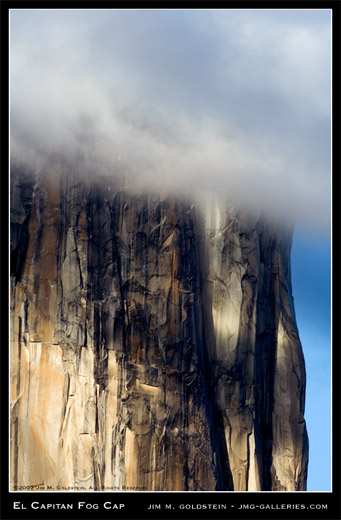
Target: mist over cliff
x=233 y=100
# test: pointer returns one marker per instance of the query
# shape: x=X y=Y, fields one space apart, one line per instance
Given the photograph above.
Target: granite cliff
x=154 y=344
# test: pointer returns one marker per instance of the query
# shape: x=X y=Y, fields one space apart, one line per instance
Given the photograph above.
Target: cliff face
x=153 y=342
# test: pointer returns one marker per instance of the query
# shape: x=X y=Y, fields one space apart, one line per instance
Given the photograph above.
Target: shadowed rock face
x=153 y=342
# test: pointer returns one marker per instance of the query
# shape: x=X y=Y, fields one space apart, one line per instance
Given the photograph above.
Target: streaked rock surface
x=153 y=341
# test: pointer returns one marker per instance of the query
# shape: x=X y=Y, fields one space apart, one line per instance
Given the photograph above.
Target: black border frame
x=136 y=503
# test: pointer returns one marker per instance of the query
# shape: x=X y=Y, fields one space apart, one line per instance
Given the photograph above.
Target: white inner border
x=331 y=220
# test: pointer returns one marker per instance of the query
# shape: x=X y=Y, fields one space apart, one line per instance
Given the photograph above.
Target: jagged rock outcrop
x=153 y=341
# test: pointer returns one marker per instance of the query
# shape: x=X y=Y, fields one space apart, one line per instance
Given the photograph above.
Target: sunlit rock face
x=153 y=341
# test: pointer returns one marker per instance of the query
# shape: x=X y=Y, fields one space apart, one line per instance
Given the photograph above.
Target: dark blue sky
x=311 y=272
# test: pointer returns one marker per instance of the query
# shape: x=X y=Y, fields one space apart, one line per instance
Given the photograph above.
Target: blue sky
x=236 y=100
x=312 y=295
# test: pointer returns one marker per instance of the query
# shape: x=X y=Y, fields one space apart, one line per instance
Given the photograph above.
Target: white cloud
x=236 y=100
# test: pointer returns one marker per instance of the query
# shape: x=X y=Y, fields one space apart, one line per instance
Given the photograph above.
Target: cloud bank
x=232 y=100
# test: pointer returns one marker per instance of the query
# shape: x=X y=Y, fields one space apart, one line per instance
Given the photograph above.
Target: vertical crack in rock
x=153 y=341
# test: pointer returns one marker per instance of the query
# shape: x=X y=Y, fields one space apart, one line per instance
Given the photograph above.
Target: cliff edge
x=154 y=344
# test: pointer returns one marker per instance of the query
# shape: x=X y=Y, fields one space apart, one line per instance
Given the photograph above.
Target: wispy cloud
x=236 y=100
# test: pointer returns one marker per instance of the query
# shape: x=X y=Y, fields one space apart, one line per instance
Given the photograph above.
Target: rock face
x=153 y=342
